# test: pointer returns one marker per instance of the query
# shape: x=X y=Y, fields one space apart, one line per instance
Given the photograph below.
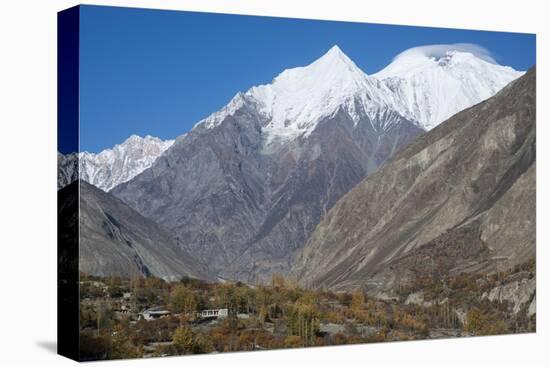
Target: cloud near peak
x=438 y=51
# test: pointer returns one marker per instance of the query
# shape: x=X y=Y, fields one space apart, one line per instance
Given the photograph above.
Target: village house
x=157 y=313
x=153 y=314
x=221 y=313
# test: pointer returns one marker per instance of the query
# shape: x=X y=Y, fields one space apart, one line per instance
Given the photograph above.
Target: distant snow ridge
x=425 y=84
x=112 y=167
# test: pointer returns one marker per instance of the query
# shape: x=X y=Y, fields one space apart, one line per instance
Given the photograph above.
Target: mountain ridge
x=476 y=170
x=403 y=87
x=113 y=239
x=291 y=101
x=113 y=166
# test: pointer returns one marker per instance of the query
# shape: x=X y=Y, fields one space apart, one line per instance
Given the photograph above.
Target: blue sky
x=159 y=72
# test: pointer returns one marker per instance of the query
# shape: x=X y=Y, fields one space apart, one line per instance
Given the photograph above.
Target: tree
x=263 y=302
x=183 y=300
x=121 y=347
x=278 y=281
x=480 y=323
x=358 y=305
x=226 y=297
x=293 y=341
x=103 y=317
x=303 y=319
x=183 y=339
x=475 y=320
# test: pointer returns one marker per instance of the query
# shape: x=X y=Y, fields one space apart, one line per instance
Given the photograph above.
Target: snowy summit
x=435 y=82
x=425 y=84
x=299 y=98
x=112 y=167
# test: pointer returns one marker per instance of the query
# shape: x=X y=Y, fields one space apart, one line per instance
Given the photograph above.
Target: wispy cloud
x=440 y=51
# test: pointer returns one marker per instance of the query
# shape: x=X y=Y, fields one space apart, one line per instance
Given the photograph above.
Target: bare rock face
x=518 y=293
x=67 y=169
x=247 y=205
x=532 y=307
x=465 y=189
x=417 y=298
x=116 y=240
x=246 y=187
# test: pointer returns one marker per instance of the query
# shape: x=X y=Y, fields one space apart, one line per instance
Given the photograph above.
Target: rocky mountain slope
x=247 y=186
x=67 y=169
x=111 y=167
x=460 y=198
x=116 y=240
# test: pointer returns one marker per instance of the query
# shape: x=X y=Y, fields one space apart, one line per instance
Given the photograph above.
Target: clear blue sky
x=159 y=72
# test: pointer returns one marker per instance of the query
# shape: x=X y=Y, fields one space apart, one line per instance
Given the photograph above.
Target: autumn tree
x=263 y=302
x=480 y=323
x=278 y=281
x=303 y=319
x=183 y=339
x=183 y=300
x=293 y=341
x=227 y=296
x=358 y=305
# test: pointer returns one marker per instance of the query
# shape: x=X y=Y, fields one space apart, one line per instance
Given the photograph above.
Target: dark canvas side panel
x=68 y=144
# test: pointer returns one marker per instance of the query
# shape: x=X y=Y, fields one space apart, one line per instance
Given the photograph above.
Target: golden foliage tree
x=358 y=305
x=183 y=339
x=183 y=300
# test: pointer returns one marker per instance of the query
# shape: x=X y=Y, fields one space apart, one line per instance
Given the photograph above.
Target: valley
x=283 y=315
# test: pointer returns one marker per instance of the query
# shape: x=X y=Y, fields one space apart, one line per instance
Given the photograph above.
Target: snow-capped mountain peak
x=425 y=85
x=114 y=166
x=299 y=98
x=434 y=82
x=333 y=67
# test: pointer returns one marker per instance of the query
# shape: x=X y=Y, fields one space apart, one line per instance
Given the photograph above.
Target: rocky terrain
x=67 y=169
x=111 y=167
x=116 y=240
x=245 y=197
x=460 y=198
x=517 y=292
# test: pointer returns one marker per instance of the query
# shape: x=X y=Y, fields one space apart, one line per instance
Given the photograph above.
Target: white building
x=220 y=313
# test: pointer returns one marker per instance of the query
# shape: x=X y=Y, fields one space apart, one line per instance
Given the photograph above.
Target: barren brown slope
x=474 y=173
